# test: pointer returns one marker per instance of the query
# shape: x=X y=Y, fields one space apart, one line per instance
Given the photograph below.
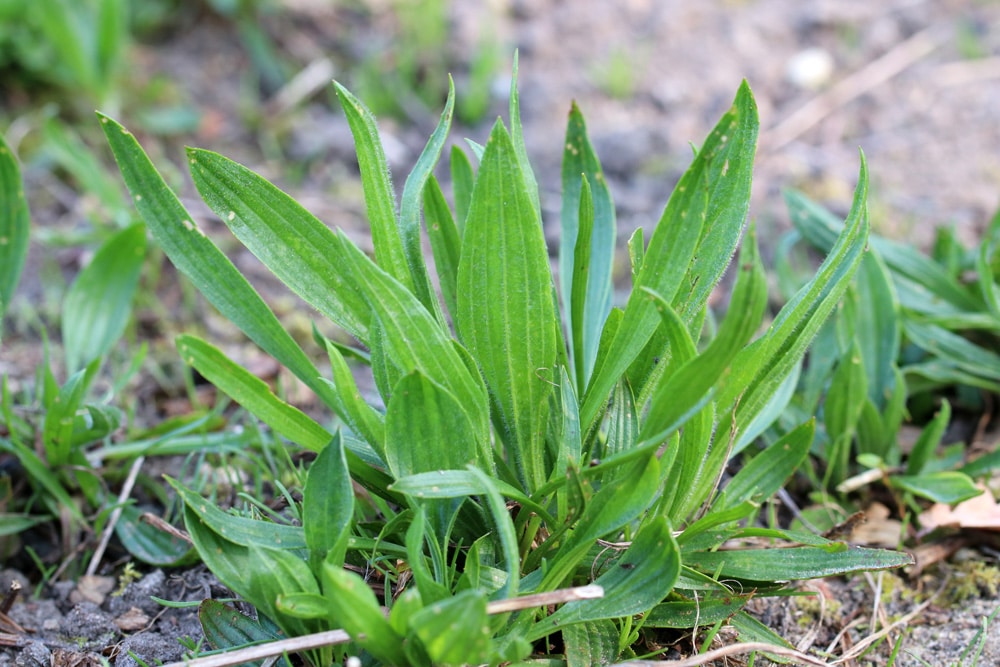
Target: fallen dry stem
x=726 y=651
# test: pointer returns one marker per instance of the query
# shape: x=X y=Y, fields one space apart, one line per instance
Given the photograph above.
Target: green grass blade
x=198 y=258
x=409 y=211
x=99 y=303
x=591 y=265
x=380 y=199
x=297 y=248
x=252 y=393
x=14 y=223
x=446 y=241
x=506 y=316
x=704 y=217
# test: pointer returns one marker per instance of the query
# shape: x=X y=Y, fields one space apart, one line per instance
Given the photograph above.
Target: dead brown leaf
x=981 y=512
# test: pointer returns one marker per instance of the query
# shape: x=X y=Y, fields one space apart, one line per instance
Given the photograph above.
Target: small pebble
x=810 y=69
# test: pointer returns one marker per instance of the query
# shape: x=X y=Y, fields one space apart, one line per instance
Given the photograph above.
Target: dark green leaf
x=790 y=564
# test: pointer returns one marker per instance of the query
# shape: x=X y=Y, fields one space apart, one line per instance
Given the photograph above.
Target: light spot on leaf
x=232 y=214
x=725 y=167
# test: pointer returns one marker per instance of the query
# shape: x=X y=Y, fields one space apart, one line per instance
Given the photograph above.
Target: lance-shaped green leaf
x=427 y=430
x=14 y=222
x=252 y=393
x=517 y=138
x=380 y=200
x=760 y=369
x=198 y=258
x=409 y=210
x=689 y=249
x=506 y=316
x=296 y=247
x=409 y=339
x=585 y=199
x=794 y=563
x=454 y=631
x=634 y=583
x=617 y=503
x=98 y=305
x=929 y=440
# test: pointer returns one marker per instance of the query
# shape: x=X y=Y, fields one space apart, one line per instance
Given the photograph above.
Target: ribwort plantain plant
x=522 y=447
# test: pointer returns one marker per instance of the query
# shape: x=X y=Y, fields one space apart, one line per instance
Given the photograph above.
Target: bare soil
x=914 y=83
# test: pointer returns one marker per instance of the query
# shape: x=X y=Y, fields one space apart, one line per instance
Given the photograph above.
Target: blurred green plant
x=528 y=451
x=915 y=335
x=55 y=438
x=77 y=46
x=406 y=74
